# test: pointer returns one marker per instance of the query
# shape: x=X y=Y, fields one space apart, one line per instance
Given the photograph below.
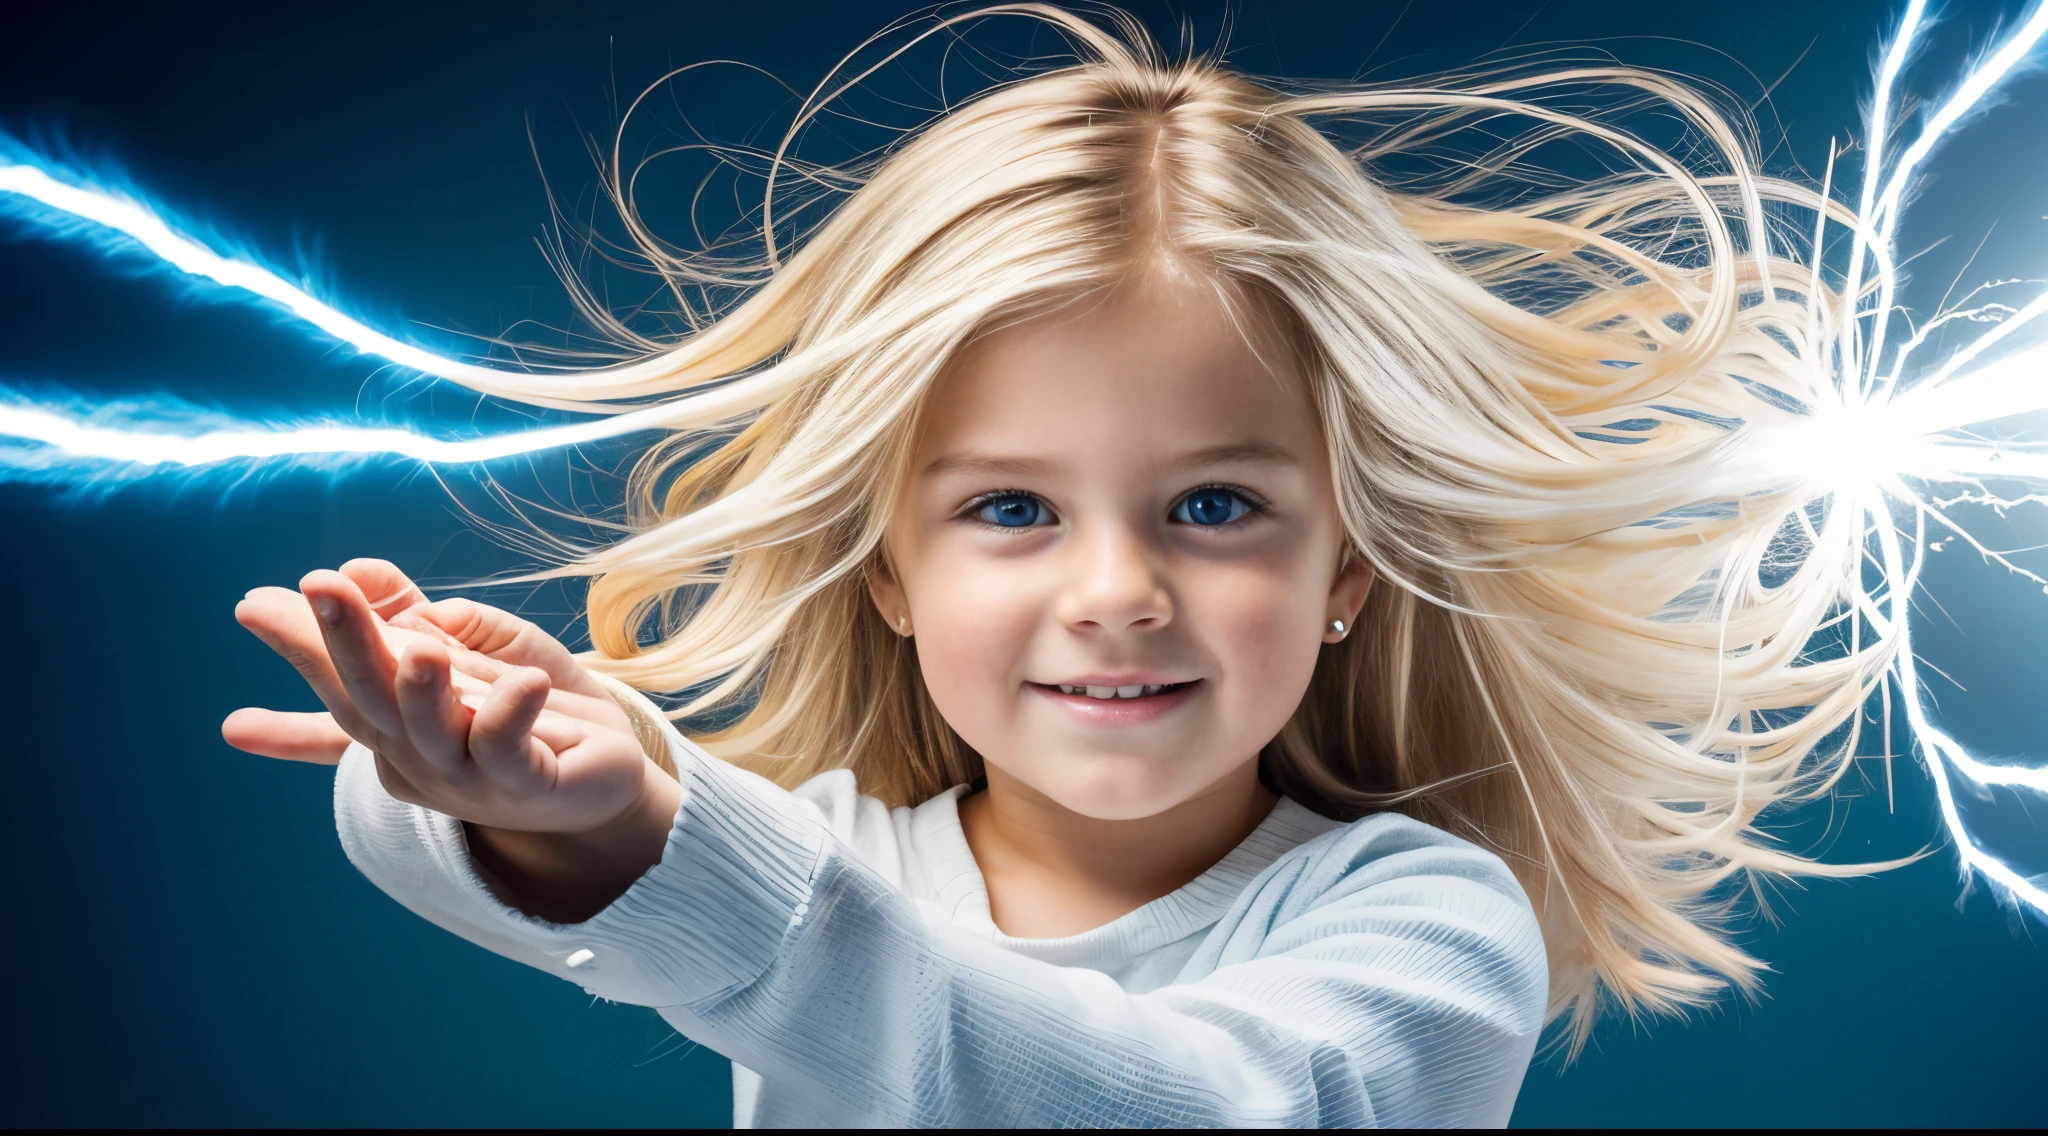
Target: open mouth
x=1112 y=693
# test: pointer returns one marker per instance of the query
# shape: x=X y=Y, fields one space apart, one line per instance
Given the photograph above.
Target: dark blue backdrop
x=187 y=944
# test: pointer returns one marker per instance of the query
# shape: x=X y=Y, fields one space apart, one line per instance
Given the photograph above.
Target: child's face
x=1122 y=496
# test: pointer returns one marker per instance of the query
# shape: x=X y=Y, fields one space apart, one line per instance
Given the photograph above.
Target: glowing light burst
x=1915 y=428
x=1886 y=437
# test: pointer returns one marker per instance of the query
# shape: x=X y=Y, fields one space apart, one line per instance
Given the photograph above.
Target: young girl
x=1185 y=617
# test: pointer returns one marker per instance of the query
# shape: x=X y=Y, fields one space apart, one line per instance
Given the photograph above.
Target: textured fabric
x=842 y=954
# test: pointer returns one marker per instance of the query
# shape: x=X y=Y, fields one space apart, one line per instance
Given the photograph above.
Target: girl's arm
x=1385 y=973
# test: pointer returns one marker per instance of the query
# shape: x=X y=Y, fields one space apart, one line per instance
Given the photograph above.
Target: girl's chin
x=1117 y=785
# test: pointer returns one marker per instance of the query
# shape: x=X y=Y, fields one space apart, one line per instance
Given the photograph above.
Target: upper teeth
x=1115 y=691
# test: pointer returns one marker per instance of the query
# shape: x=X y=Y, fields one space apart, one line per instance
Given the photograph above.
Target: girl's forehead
x=1139 y=373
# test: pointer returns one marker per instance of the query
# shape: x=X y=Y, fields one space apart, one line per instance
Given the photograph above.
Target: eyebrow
x=1230 y=453
x=1254 y=453
x=984 y=463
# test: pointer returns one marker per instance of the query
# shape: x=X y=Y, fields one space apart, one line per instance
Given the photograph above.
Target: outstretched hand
x=472 y=712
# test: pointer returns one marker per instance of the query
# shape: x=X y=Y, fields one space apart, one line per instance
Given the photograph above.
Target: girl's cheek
x=1266 y=628
x=974 y=625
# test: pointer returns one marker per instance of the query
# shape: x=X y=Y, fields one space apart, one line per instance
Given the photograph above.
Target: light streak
x=80 y=439
x=143 y=226
x=1879 y=128
x=65 y=200
x=1886 y=436
x=1979 y=83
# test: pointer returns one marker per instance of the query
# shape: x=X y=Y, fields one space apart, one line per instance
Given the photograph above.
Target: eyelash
x=1255 y=505
x=971 y=510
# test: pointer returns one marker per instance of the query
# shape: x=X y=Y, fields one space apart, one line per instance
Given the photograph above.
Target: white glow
x=82 y=439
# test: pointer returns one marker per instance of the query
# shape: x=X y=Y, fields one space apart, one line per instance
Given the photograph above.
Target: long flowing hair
x=1592 y=650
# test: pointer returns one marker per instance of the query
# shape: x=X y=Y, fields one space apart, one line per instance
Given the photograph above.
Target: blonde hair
x=1582 y=655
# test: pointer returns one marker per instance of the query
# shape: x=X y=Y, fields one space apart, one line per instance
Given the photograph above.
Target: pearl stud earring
x=1337 y=625
x=903 y=626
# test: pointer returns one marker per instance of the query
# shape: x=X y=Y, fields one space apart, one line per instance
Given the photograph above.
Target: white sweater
x=1322 y=974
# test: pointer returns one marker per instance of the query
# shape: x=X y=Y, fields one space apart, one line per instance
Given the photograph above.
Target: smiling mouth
x=1113 y=693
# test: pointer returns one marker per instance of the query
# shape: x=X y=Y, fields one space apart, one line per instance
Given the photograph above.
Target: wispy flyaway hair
x=1593 y=649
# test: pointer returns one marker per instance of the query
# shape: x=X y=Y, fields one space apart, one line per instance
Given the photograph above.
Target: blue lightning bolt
x=1875 y=447
x=144 y=227
x=175 y=437
x=78 y=438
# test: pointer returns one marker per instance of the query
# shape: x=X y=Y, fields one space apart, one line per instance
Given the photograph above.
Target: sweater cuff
x=733 y=880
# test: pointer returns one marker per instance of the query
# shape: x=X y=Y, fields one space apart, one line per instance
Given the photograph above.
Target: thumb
x=287 y=737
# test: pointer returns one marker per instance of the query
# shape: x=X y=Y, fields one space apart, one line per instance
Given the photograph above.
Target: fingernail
x=326 y=610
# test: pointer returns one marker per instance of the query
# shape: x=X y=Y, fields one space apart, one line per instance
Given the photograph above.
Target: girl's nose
x=1113 y=582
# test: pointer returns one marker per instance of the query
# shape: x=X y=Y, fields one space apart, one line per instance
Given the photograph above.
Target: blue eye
x=1013 y=511
x=1211 y=506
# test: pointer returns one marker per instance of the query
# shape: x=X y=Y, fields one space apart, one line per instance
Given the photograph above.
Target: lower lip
x=1119 y=711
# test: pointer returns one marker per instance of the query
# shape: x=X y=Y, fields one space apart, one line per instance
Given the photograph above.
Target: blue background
x=186 y=943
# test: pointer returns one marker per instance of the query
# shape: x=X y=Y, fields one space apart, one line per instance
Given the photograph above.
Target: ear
x=887 y=592
x=1347 y=593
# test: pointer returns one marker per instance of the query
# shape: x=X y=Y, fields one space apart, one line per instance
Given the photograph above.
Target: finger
x=435 y=723
x=413 y=619
x=500 y=635
x=407 y=628
x=287 y=737
x=464 y=660
x=280 y=618
x=501 y=740
x=475 y=674
x=387 y=590
x=355 y=644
